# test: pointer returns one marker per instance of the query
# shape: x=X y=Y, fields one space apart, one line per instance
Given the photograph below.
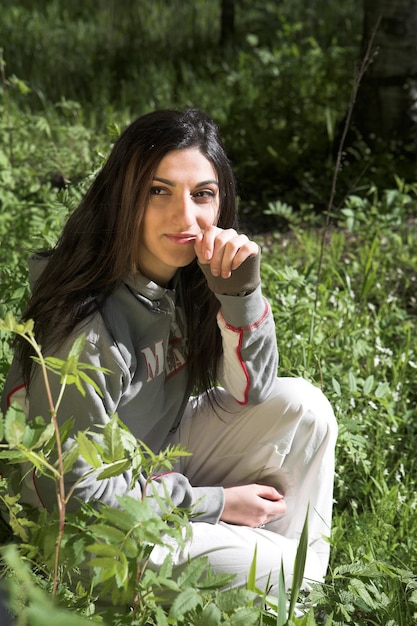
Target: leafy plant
x=101 y=552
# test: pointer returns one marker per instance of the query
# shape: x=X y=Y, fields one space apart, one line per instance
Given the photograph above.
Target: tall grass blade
x=252 y=572
x=299 y=567
x=282 y=599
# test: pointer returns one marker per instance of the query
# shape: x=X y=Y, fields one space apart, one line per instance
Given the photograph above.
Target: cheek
x=149 y=219
x=216 y=215
x=210 y=217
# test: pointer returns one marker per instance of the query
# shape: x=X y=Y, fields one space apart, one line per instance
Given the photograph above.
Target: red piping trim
x=36 y=489
x=238 y=329
x=12 y=392
x=245 y=371
x=162 y=474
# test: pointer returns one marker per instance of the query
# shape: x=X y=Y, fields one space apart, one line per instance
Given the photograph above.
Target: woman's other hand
x=252 y=505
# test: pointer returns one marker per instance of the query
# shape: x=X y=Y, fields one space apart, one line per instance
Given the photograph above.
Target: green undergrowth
x=343 y=295
x=349 y=325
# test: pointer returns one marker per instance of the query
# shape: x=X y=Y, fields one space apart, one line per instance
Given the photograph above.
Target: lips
x=181 y=238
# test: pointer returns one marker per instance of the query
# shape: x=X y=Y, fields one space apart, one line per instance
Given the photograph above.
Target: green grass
x=344 y=300
x=351 y=329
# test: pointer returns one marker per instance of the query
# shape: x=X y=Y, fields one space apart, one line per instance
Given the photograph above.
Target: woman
x=168 y=295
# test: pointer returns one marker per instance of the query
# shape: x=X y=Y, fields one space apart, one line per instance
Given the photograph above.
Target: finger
x=225 y=254
x=272 y=512
x=198 y=248
x=277 y=508
x=207 y=243
x=269 y=493
x=234 y=257
x=227 y=245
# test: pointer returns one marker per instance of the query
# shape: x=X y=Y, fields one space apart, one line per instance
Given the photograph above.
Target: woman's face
x=183 y=201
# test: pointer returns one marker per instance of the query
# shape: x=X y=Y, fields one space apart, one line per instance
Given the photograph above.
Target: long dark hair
x=98 y=245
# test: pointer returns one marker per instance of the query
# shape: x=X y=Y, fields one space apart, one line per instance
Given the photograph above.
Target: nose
x=183 y=210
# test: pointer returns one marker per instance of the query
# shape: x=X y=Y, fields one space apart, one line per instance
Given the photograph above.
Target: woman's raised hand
x=223 y=250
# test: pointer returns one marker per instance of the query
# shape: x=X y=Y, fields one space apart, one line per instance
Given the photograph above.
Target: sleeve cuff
x=243 y=312
x=208 y=504
x=245 y=279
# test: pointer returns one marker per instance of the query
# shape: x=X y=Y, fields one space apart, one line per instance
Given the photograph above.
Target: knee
x=307 y=403
x=317 y=407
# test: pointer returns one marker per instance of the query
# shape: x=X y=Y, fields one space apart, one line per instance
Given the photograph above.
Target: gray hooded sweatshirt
x=140 y=336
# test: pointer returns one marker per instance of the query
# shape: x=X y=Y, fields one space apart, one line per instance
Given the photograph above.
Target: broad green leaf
x=114 y=469
x=245 y=616
x=24 y=89
x=166 y=567
x=113 y=449
x=352 y=382
x=210 y=616
x=105 y=565
x=89 y=381
x=70 y=456
x=47 y=434
x=139 y=510
x=113 y=535
x=187 y=600
x=88 y=450
x=76 y=380
x=40 y=462
x=120 y=519
x=122 y=570
x=233 y=599
x=14 y=425
x=154 y=579
x=37 y=433
x=108 y=533
x=66 y=428
x=78 y=346
x=368 y=384
x=360 y=589
x=192 y=573
x=42 y=613
x=52 y=363
x=69 y=366
x=161 y=618
x=15 y=456
x=104 y=550
x=215 y=581
x=381 y=390
x=336 y=387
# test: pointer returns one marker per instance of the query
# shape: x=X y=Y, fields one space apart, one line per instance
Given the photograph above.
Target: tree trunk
x=386 y=107
x=227 y=21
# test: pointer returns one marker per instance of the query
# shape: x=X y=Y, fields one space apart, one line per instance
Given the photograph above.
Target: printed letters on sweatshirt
x=173 y=359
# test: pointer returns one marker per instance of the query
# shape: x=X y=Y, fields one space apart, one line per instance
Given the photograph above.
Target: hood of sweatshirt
x=140 y=285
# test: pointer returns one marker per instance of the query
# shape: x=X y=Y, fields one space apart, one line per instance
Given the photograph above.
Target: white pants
x=288 y=442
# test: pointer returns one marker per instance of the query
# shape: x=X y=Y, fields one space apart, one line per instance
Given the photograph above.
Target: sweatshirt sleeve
x=250 y=355
x=92 y=412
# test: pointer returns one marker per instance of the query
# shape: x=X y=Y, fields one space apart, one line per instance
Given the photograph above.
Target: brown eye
x=204 y=195
x=157 y=191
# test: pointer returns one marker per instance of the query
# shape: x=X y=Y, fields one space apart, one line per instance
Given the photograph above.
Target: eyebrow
x=172 y=184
